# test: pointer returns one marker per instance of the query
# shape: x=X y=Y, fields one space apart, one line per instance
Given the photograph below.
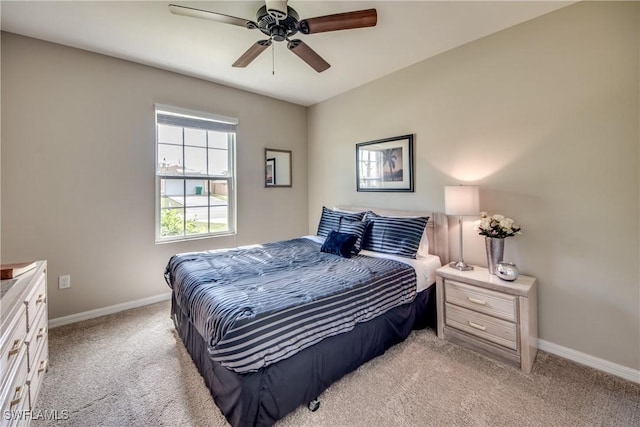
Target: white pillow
x=423 y=249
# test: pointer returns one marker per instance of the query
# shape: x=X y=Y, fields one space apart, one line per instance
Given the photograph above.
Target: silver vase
x=495 y=252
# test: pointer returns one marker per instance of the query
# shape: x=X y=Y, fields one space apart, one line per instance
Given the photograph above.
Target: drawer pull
x=476 y=326
x=16 y=347
x=41 y=299
x=17 y=397
x=43 y=365
x=41 y=332
x=477 y=301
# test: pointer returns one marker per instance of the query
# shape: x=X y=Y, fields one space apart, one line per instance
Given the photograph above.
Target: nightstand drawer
x=486 y=327
x=481 y=300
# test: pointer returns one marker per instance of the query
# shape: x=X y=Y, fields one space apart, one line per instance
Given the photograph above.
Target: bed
x=263 y=323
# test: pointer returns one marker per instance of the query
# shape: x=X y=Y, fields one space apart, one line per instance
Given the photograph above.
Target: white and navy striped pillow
x=330 y=220
x=394 y=235
x=359 y=228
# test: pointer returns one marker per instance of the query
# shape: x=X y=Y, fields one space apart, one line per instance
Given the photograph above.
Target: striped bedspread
x=259 y=305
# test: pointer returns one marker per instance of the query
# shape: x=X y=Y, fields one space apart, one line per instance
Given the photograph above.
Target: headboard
x=437 y=228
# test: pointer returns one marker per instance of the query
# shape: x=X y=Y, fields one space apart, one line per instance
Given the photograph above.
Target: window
x=370 y=167
x=195 y=174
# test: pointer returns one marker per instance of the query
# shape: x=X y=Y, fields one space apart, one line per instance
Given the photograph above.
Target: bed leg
x=314 y=405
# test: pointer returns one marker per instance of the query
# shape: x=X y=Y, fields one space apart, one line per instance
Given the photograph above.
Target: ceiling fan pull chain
x=273 y=59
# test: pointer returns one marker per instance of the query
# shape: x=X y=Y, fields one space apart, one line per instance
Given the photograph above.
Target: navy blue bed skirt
x=261 y=398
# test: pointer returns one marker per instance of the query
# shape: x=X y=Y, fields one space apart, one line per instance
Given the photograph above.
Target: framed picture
x=385 y=164
x=270 y=172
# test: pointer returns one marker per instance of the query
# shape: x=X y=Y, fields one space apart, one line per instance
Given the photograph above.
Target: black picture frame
x=385 y=165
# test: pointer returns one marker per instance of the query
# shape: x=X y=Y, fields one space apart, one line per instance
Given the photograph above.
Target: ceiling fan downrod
x=277 y=8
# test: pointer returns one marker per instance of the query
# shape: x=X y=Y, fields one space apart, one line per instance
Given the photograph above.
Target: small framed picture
x=385 y=164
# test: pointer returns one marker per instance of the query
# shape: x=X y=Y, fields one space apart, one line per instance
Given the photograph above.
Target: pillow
x=340 y=244
x=394 y=235
x=423 y=249
x=368 y=215
x=330 y=220
x=359 y=228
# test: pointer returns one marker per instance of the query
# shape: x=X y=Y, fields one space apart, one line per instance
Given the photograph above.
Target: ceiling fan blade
x=308 y=55
x=213 y=16
x=252 y=53
x=339 y=21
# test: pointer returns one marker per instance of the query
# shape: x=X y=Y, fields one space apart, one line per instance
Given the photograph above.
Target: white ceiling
x=146 y=32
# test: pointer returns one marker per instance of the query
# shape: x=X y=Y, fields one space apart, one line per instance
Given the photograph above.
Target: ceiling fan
x=281 y=22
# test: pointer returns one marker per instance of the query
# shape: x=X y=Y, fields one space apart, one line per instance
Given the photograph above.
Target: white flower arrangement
x=496 y=226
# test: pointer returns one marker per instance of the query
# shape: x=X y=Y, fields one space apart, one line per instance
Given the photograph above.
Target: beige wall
x=78 y=169
x=545 y=118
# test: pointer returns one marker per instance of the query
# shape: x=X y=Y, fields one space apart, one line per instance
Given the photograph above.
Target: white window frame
x=231 y=180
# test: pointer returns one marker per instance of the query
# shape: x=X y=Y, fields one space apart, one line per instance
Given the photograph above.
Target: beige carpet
x=131 y=369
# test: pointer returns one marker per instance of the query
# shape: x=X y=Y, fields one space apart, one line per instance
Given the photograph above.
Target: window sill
x=196 y=237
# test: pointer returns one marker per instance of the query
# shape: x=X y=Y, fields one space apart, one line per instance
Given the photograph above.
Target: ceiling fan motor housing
x=279 y=29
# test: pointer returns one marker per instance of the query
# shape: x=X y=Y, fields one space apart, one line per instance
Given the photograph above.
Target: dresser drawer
x=12 y=344
x=36 y=300
x=15 y=393
x=481 y=300
x=482 y=326
x=36 y=337
x=37 y=372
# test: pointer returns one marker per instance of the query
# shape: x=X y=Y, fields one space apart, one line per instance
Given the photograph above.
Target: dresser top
x=480 y=276
x=14 y=291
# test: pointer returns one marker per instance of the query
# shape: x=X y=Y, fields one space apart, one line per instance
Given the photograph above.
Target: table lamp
x=461 y=200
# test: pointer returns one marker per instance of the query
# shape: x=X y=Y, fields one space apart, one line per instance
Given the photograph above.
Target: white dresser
x=489 y=315
x=23 y=344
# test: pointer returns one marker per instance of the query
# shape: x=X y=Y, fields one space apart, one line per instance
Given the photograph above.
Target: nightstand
x=489 y=315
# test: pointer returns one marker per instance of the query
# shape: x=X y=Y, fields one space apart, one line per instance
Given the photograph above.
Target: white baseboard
x=591 y=361
x=92 y=314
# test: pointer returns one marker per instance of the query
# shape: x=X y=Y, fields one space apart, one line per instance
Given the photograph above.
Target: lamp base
x=460 y=265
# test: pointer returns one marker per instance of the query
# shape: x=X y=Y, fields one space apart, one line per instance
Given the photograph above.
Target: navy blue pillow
x=340 y=244
x=394 y=235
x=359 y=228
x=330 y=220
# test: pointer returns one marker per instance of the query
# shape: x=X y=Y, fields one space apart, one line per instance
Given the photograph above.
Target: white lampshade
x=461 y=200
